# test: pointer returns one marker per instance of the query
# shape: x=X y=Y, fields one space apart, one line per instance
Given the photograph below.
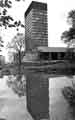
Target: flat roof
x=36 y=5
x=52 y=49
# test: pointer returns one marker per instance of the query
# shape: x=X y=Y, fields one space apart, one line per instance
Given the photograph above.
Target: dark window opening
x=54 y=56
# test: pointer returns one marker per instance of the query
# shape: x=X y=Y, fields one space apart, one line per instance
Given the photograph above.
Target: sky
x=57 y=20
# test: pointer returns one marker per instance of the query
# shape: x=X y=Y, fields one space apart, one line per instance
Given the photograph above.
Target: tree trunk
x=19 y=53
x=19 y=57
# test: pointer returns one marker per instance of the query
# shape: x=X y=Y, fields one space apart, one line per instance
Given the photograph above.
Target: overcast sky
x=57 y=13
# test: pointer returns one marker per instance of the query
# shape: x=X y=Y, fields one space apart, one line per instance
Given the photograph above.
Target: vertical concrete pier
x=38 y=96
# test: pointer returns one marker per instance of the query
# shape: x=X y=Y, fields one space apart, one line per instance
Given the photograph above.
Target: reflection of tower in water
x=37 y=87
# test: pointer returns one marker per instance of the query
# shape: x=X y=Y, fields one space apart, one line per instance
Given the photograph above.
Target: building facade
x=36 y=26
x=52 y=53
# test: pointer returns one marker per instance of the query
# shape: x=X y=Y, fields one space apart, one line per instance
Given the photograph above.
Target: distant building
x=36 y=25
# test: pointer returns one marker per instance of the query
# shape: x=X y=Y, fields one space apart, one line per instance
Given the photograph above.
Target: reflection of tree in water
x=17 y=83
x=69 y=94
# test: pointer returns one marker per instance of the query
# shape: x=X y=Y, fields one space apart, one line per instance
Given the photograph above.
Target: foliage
x=71 y=17
x=18 y=84
x=68 y=36
x=17 y=44
x=5 y=19
x=1 y=43
x=69 y=94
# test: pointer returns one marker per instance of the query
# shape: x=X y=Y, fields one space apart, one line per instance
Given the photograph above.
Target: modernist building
x=52 y=53
x=36 y=28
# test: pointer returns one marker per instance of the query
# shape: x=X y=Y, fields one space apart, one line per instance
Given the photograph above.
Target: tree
x=17 y=45
x=5 y=19
x=71 y=18
x=1 y=43
x=68 y=36
x=18 y=84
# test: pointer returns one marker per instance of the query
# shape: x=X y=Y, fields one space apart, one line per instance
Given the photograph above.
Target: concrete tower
x=36 y=30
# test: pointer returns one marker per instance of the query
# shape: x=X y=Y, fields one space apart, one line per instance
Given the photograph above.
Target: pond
x=13 y=102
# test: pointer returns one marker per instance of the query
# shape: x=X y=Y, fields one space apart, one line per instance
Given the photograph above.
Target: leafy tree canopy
x=17 y=43
x=71 y=17
x=69 y=35
x=5 y=19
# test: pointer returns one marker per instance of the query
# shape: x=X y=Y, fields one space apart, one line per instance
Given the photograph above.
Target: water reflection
x=13 y=106
x=18 y=84
x=59 y=108
x=44 y=93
